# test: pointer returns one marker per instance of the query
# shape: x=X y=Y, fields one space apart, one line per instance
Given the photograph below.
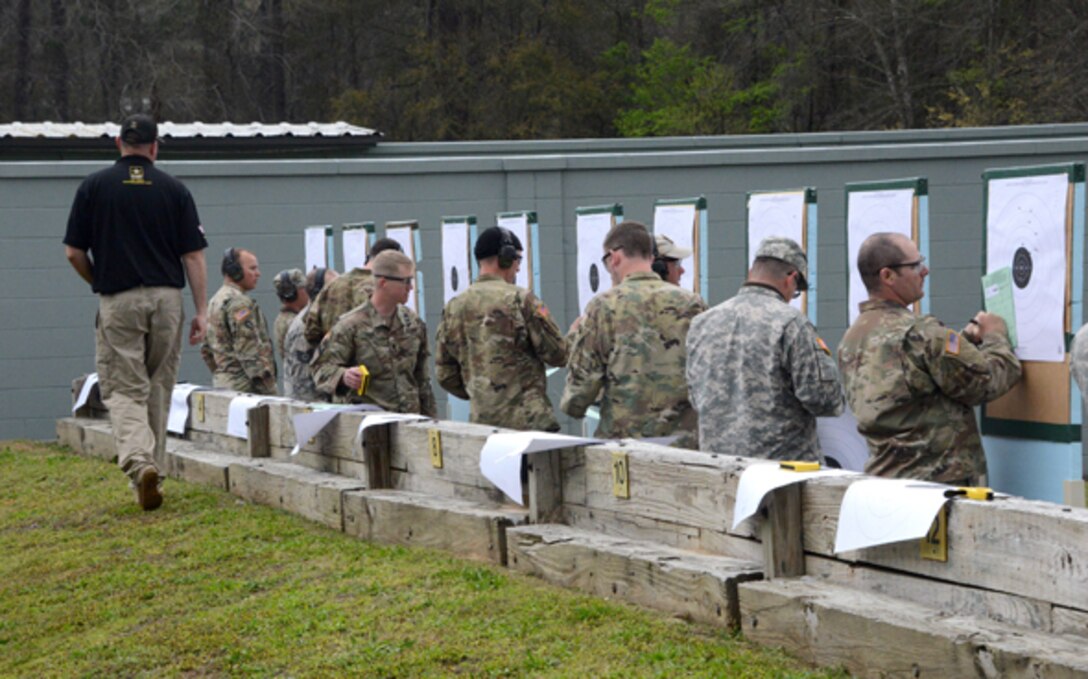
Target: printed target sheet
x=1025 y=231
x=519 y=225
x=678 y=223
x=456 y=274
x=874 y=212
x=593 y=278
x=776 y=215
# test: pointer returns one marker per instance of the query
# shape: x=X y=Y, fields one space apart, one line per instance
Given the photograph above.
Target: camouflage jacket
x=758 y=377
x=336 y=299
x=298 y=382
x=491 y=348
x=237 y=343
x=912 y=384
x=394 y=351
x=630 y=346
x=279 y=329
x=1078 y=361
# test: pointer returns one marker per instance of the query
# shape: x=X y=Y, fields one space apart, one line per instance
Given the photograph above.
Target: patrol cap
x=288 y=282
x=668 y=249
x=490 y=242
x=787 y=251
x=139 y=128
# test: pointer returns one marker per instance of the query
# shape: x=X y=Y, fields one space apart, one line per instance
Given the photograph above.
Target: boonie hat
x=787 y=251
x=139 y=128
x=288 y=282
x=489 y=242
x=670 y=250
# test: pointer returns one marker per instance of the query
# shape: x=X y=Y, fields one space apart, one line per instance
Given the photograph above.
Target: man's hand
x=352 y=378
x=983 y=324
x=198 y=328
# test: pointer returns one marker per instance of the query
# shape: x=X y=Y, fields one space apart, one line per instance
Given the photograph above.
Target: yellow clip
x=364 y=379
x=971 y=492
x=800 y=466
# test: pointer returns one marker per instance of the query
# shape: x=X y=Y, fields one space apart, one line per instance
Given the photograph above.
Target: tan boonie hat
x=670 y=250
x=785 y=250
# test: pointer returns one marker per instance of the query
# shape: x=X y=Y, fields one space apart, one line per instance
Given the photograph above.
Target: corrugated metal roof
x=48 y=130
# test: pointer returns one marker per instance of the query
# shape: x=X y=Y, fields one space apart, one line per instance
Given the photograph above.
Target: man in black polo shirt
x=134 y=234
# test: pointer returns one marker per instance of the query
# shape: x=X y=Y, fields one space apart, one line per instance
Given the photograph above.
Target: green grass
x=210 y=585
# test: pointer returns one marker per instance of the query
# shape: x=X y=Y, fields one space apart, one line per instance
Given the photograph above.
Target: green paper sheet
x=997 y=296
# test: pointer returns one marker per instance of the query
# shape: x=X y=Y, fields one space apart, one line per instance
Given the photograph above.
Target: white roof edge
x=50 y=130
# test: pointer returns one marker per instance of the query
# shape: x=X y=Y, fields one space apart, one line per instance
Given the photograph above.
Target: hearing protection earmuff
x=231 y=267
x=507 y=251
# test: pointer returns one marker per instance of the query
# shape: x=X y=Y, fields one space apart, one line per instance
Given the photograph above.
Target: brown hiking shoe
x=147 y=489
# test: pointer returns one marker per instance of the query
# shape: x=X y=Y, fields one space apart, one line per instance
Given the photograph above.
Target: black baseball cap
x=139 y=128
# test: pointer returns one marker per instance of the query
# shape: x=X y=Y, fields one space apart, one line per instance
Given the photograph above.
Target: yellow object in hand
x=364 y=379
x=799 y=466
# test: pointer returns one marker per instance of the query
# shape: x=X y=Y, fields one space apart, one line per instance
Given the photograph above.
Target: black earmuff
x=507 y=251
x=285 y=288
x=231 y=267
x=319 y=280
x=659 y=265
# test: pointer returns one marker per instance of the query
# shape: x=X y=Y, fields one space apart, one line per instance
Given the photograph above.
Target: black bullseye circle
x=453 y=277
x=1021 y=267
x=594 y=278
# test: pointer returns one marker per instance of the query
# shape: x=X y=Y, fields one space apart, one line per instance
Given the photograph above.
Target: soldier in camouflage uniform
x=387 y=338
x=911 y=382
x=495 y=339
x=298 y=382
x=237 y=348
x=343 y=294
x=1078 y=361
x=629 y=349
x=758 y=374
x=290 y=285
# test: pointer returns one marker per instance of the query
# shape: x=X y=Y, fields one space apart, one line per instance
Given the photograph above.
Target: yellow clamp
x=800 y=466
x=364 y=379
x=971 y=492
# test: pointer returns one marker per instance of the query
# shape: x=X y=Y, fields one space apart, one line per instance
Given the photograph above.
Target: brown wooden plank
x=313 y=495
x=780 y=531
x=545 y=486
x=188 y=463
x=376 y=451
x=257 y=422
x=685 y=584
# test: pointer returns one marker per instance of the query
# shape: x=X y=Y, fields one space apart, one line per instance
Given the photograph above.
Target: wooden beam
x=545 y=486
x=780 y=532
x=376 y=452
x=257 y=420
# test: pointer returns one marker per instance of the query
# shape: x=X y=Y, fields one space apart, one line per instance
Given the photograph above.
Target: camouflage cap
x=667 y=249
x=786 y=250
x=288 y=282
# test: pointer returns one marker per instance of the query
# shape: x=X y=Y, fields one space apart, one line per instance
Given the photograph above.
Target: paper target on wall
x=356 y=239
x=1026 y=221
x=840 y=441
x=316 y=246
x=681 y=220
x=456 y=264
x=407 y=234
x=779 y=214
x=521 y=223
x=592 y=226
x=890 y=206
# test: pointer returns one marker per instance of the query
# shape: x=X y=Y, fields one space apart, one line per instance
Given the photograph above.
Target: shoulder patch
x=542 y=310
x=952 y=343
x=823 y=345
x=241 y=315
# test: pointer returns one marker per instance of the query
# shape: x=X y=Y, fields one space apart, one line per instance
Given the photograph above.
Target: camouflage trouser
x=224 y=380
x=138 y=346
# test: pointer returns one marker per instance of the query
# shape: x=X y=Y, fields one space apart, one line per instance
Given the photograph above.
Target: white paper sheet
x=179 y=406
x=593 y=278
x=1025 y=230
x=776 y=215
x=873 y=212
x=404 y=236
x=678 y=223
x=237 y=414
x=386 y=418
x=883 y=511
x=309 y=425
x=316 y=254
x=355 y=241
x=519 y=225
x=456 y=267
x=85 y=391
x=839 y=439
x=500 y=458
x=759 y=479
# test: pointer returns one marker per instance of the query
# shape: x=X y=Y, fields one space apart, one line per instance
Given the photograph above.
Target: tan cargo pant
x=137 y=354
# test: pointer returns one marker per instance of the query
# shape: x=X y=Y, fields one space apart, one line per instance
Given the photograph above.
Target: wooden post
x=259 y=422
x=377 y=456
x=545 y=486
x=783 y=552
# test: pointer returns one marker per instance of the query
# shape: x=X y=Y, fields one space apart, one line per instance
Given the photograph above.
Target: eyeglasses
x=802 y=284
x=407 y=280
x=916 y=264
x=607 y=256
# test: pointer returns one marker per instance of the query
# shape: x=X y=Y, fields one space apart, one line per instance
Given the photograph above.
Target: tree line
x=532 y=69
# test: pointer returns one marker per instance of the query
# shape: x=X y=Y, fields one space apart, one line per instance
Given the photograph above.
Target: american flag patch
x=241 y=315
x=952 y=344
x=823 y=346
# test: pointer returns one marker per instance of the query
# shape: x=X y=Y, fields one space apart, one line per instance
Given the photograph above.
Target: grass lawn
x=211 y=585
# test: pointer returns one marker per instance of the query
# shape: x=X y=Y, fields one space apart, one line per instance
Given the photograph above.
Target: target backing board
x=1033 y=216
x=786 y=214
x=684 y=220
x=523 y=224
x=407 y=234
x=356 y=240
x=592 y=226
x=456 y=262
x=894 y=206
x=317 y=241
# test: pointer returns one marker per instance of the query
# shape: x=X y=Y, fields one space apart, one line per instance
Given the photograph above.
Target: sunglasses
x=407 y=280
